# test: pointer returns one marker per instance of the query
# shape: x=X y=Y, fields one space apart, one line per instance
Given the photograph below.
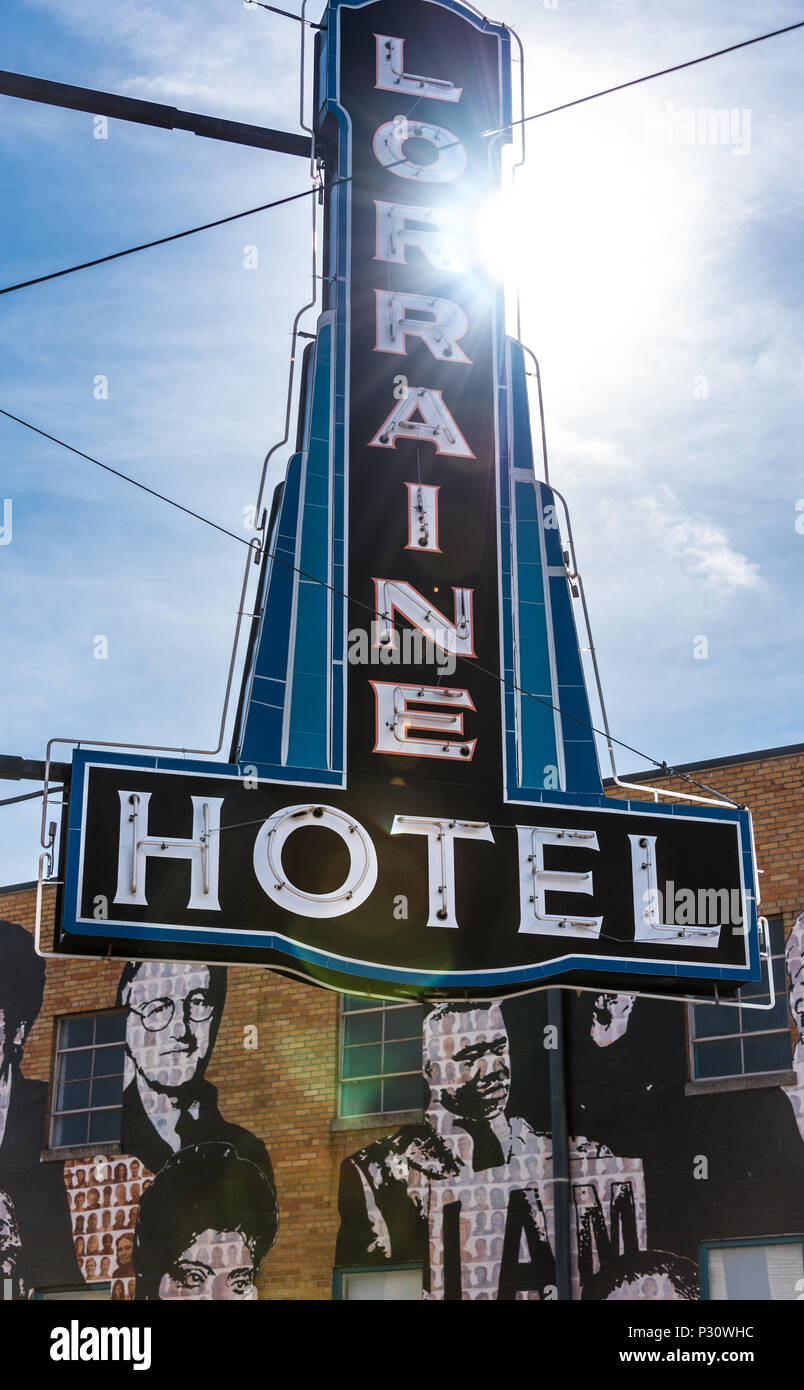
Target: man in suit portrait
x=174 y=1013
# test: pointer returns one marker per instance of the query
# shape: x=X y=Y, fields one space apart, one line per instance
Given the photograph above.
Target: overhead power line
x=663 y=766
x=125 y=477
x=159 y=241
x=648 y=77
x=308 y=192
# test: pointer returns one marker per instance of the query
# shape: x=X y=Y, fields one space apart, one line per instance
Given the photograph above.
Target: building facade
x=172 y=1130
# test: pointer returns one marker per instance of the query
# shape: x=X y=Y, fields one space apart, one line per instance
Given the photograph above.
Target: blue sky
x=660 y=289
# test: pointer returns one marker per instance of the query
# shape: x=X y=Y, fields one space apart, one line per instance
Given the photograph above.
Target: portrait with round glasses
x=174 y=1011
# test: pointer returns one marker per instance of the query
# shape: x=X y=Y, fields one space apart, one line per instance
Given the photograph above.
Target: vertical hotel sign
x=423 y=392
x=412 y=803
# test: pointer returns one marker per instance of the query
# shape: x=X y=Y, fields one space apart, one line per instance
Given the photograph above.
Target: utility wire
x=635 y=81
x=308 y=192
x=30 y=796
x=125 y=477
x=159 y=241
x=287 y=14
x=471 y=663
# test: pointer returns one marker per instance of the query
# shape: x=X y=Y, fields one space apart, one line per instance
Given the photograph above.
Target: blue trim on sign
x=293 y=692
x=549 y=744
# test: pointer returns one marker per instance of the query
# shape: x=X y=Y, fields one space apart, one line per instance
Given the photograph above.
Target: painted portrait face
x=170 y=1025
x=125 y=1249
x=476 y=1083
x=610 y=1014
x=218 y=1265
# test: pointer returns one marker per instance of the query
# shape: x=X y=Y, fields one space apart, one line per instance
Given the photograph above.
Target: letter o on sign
x=389 y=139
x=359 y=881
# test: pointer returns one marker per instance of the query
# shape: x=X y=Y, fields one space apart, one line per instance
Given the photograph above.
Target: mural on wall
x=104 y=1197
x=795 y=971
x=174 y=1013
x=204 y=1186
x=469 y=1193
x=204 y=1226
x=654 y=1168
x=705 y=1176
x=176 y=1140
x=35 y=1238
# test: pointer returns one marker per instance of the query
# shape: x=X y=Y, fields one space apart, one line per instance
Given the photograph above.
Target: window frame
x=87 y=1145
x=342 y=1272
x=704 y=1246
x=369 y=1117
x=776 y=1075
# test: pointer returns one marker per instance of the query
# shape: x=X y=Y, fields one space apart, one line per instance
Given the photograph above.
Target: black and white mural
x=653 y=1168
x=35 y=1237
x=189 y=1209
x=795 y=971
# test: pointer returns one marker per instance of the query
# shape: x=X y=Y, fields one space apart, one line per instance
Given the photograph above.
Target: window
x=402 y=1285
x=381 y=1057
x=741 y=1042
x=88 y=1088
x=758 y=1270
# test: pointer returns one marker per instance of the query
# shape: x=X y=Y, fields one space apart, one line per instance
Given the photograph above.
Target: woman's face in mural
x=218 y=1265
x=169 y=1027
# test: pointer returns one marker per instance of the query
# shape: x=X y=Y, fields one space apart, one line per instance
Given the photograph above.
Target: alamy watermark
x=688 y=907
x=382 y=645
x=700 y=125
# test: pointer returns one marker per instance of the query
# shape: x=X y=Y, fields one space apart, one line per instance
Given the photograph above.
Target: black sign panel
x=421 y=903
x=422 y=371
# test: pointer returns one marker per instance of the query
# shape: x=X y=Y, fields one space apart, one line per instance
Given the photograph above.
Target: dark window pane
x=107 y=1090
x=710 y=1021
x=75 y=1065
x=718 y=1059
x=70 y=1129
x=758 y=991
x=104 y=1125
x=780 y=976
x=403 y=1056
x=362 y=1028
x=353 y=1001
x=73 y=1096
x=110 y=1027
x=404 y=1023
x=76 y=1032
x=776 y=934
x=403 y=1093
x=768 y=1053
x=360 y=1098
x=362 y=1061
x=760 y=1020
x=109 y=1061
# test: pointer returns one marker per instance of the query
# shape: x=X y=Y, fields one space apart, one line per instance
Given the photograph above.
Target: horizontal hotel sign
x=197 y=861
